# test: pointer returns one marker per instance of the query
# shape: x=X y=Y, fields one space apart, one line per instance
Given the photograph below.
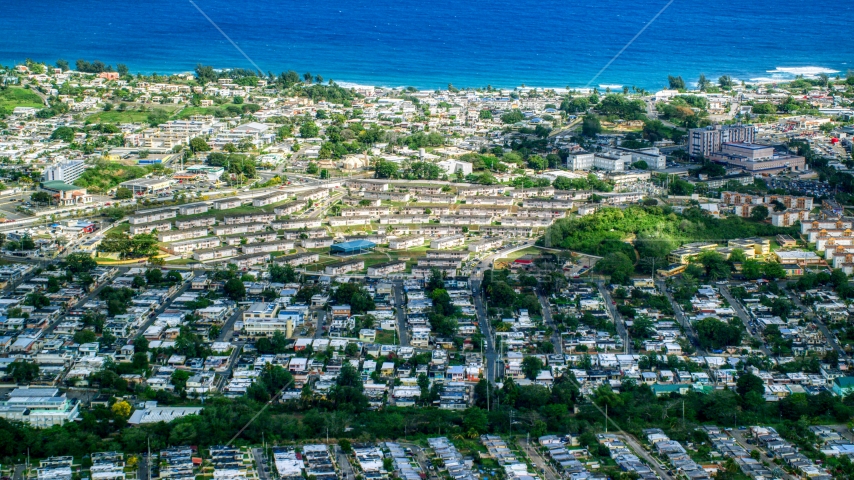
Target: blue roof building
x=353 y=247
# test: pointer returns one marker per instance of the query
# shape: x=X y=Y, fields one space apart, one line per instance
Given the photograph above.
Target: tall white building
x=67 y=171
x=702 y=142
x=579 y=161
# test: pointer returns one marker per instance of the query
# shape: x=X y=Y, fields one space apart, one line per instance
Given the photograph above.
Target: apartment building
x=67 y=171
x=448 y=242
x=702 y=142
x=405 y=243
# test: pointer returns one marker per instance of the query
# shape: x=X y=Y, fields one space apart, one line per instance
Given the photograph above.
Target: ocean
x=430 y=44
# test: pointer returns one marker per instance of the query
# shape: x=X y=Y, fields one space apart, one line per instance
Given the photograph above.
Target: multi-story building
x=382 y=269
x=702 y=142
x=344 y=267
x=448 y=242
x=67 y=171
x=404 y=243
x=580 y=161
x=757 y=158
x=40 y=407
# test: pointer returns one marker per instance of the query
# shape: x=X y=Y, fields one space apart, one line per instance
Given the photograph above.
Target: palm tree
x=702 y=83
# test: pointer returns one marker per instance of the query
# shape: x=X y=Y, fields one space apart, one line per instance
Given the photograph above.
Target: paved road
x=557 y=338
x=490 y=357
x=421 y=457
x=77 y=305
x=817 y=320
x=228 y=327
x=680 y=317
x=738 y=435
x=543 y=467
x=343 y=462
x=143 y=470
x=223 y=376
x=263 y=469
x=475 y=281
x=400 y=306
x=19 y=473
x=640 y=452
x=744 y=316
x=320 y=315
x=161 y=309
x=619 y=322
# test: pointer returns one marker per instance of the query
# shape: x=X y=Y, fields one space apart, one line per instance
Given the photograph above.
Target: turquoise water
x=431 y=44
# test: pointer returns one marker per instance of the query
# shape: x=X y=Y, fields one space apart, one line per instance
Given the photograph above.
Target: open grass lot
x=113 y=116
x=191 y=111
x=19 y=97
x=128 y=116
x=521 y=253
x=386 y=338
x=182 y=261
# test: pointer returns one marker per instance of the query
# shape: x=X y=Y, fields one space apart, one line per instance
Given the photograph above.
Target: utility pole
x=148 y=460
x=511 y=421
x=606 y=418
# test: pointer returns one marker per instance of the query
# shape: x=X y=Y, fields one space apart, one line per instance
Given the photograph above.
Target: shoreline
x=780 y=74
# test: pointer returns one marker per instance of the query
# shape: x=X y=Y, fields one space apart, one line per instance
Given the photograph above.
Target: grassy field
x=519 y=254
x=190 y=111
x=19 y=97
x=182 y=261
x=128 y=116
x=386 y=338
x=114 y=116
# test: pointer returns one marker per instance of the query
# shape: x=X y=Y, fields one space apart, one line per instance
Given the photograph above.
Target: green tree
x=475 y=420
x=199 y=144
x=773 y=270
x=759 y=213
x=385 y=169
x=532 y=366
x=282 y=273
x=234 y=289
x=80 y=262
x=84 y=336
x=536 y=162
x=675 y=83
x=748 y=382
x=513 y=116
x=66 y=134
x=123 y=193
x=618 y=265
x=715 y=334
x=591 y=126
x=309 y=129
x=37 y=300
x=42 y=197
x=23 y=372
x=154 y=276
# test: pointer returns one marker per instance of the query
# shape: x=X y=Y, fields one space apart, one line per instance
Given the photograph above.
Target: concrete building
x=405 y=243
x=39 y=406
x=448 y=242
x=387 y=268
x=757 y=158
x=614 y=161
x=142 y=186
x=65 y=194
x=454 y=167
x=579 y=161
x=67 y=171
x=344 y=267
x=702 y=142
